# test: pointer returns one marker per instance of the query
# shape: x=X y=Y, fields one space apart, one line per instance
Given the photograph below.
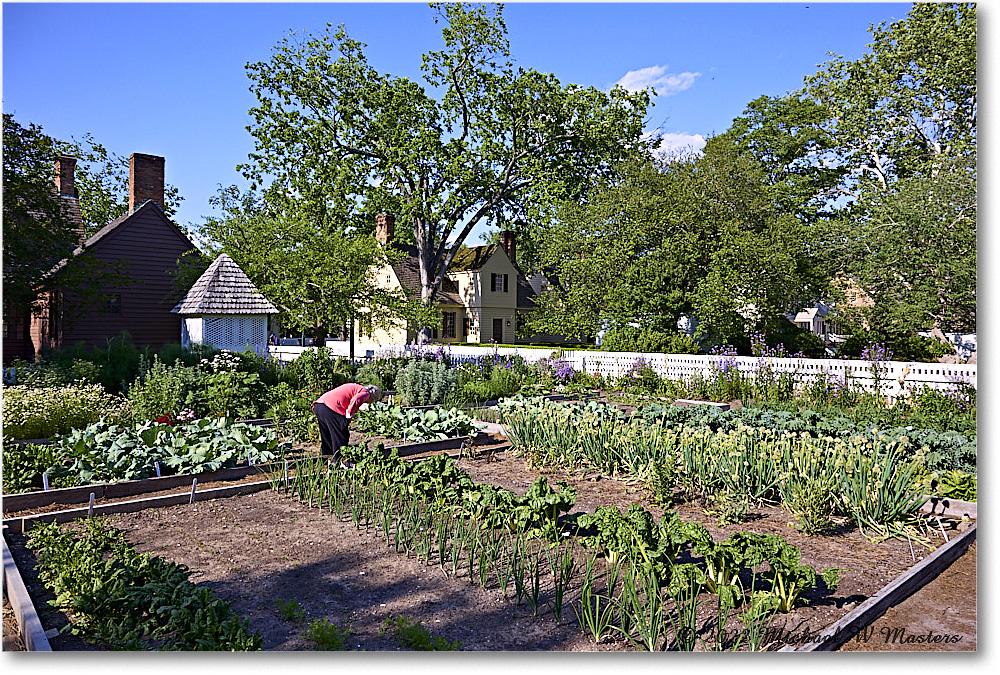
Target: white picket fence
x=894 y=377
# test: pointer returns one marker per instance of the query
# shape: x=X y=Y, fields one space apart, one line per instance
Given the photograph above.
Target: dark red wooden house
x=145 y=246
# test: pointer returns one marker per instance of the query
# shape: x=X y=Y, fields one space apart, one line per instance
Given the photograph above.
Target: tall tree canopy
x=37 y=229
x=696 y=234
x=480 y=141
x=878 y=157
x=903 y=122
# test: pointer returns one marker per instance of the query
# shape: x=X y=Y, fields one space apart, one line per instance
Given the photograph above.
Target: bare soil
x=255 y=549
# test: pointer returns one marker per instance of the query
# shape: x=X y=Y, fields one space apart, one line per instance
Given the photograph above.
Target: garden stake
x=945 y=534
x=194 y=486
x=90 y=508
x=156 y=465
x=45 y=480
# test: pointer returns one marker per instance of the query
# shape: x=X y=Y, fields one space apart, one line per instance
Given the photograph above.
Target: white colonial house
x=480 y=298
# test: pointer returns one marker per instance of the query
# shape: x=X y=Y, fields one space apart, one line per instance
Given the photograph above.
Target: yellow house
x=479 y=298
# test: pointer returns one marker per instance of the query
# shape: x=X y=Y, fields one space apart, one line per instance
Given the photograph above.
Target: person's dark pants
x=334 y=432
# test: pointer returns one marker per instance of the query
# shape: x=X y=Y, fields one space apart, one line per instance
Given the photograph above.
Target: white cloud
x=659 y=79
x=672 y=143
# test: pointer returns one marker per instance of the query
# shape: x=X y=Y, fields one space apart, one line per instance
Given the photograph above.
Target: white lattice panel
x=234 y=332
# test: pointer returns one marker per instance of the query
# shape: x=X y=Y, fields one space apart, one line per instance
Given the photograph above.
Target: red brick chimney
x=66 y=175
x=145 y=180
x=66 y=188
x=508 y=242
x=385 y=228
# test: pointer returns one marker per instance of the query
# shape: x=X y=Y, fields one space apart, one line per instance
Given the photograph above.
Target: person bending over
x=334 y=411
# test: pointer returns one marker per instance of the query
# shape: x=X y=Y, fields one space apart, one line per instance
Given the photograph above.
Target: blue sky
x=169 y=79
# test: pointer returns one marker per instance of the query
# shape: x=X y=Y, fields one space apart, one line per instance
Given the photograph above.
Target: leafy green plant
x=877 y=491
x=129 y=600
x=160 y=389
x=291 y=410
x=24 y=464
x=108 y=452
x=954 y=485
x=328 y=636
x=318 y=368
x=42 y=413
x=811 y=502
x=290 y=610
x=789 y=578
x=414 y=425
x=414 y=635
x=425 y=382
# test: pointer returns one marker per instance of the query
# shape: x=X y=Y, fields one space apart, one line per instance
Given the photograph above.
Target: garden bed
x=256 y=548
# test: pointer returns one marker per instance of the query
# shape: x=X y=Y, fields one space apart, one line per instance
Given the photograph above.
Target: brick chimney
x=508 y=242
x=385 y=228
x=66 y=188
x=145 y=180
x=66 y=175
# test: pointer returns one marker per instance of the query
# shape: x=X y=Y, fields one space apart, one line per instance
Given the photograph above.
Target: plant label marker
x=157 y=466
x=90 y=507
x=45 y=480
x=194 y=486
x=286 y=473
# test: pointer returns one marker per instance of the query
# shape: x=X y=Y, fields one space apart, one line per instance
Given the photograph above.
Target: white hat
x=376 y=393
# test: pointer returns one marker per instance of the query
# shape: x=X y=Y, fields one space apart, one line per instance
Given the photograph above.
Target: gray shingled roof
x=224 y=289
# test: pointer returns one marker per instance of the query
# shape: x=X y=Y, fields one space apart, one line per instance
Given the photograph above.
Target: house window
x=499 y=282
x=113 y=304
x=466 y=326
x=14 y=328
x=448 y=325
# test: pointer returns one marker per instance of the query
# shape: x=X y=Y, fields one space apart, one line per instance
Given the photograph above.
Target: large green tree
x=903 y=120
x=698 y=234
x=37 y=229
x=878 y=155
x=480 y=141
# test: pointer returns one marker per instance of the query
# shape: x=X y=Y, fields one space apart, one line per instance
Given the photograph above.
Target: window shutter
x=505 y=283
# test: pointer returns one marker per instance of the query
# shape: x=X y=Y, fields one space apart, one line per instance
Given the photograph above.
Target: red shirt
x=345 y=399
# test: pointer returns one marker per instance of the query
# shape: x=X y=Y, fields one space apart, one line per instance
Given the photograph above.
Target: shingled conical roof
x=224 y=289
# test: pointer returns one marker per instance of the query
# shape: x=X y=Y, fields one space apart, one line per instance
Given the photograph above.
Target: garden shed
x=224 y=309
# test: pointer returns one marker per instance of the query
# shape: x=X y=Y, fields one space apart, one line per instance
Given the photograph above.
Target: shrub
x=905 y=346
x=291 y=410
x=381 y=371
x=48 y=373
x=502 y=381
x=160 y=390
x=317 y=369
x=45 y=412
x=632 y=339
x=425 y=383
